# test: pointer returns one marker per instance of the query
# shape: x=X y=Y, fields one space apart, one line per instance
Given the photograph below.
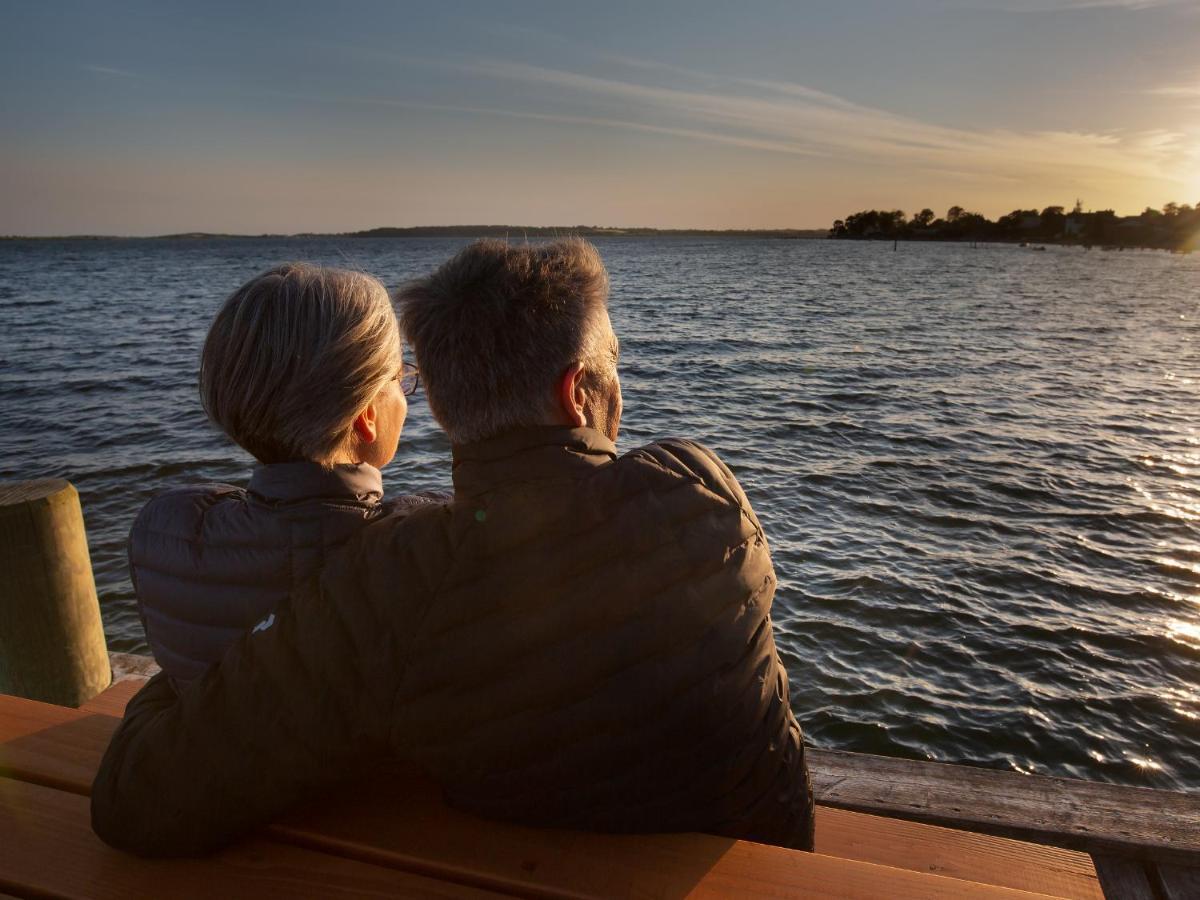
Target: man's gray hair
x=495 y=328
x=293 y=356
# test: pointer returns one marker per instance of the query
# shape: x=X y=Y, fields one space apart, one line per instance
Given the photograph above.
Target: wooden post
x=51 y=638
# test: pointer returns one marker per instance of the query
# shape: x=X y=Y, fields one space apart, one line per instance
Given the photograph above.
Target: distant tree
x=871 y=223
x=1100 y=227
x=1176 y=226
x=1013 y=223
x=1053 y=220
x=972 y=223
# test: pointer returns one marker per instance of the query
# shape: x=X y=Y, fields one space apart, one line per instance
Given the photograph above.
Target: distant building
x=1029 y=222
x=1073 y=225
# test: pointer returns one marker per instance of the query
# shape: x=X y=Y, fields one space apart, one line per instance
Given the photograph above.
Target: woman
x=302 y=368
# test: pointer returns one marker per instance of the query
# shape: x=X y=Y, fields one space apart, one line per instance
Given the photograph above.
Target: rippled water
x=979 y=468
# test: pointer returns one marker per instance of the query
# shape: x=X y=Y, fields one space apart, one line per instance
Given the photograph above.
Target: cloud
x=557 y=118
x=796 y=119
x=1186 y=94
x=1070 y=5
x=1176 y=90
x=109 y=70
x=791 y=119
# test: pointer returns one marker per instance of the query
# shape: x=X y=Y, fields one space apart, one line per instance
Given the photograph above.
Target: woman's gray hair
x=494 y=328
x=293 y=356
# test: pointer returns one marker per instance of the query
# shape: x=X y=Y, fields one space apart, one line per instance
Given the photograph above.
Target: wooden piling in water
x=51 y=638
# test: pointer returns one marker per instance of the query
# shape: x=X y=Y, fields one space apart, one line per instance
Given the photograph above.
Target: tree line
x=1174 y=227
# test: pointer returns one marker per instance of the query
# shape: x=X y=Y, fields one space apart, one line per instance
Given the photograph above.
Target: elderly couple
x=574 y=639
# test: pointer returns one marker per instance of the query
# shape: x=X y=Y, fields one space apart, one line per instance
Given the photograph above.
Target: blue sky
x=143 y=118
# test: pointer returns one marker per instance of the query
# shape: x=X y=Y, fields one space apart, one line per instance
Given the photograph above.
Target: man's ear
x=364 y=425
x=571 y=396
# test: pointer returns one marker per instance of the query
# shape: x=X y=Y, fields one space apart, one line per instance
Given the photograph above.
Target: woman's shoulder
x=195 y=494
x=181 y=510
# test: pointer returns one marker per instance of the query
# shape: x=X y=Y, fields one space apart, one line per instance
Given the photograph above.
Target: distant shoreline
x=465 y=231
x=1176 y=227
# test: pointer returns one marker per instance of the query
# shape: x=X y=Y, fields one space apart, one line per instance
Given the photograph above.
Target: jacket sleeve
x=294 y=707
x=165 y=535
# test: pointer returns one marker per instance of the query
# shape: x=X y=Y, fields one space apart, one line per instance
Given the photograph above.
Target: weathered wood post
x=51 y=638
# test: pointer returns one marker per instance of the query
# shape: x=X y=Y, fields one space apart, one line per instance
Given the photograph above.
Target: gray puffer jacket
x=210 y=561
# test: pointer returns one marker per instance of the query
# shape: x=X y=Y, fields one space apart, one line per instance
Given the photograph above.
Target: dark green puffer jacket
x=576 y=641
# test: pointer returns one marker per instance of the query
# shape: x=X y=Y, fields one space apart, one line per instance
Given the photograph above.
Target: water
x=979 y=469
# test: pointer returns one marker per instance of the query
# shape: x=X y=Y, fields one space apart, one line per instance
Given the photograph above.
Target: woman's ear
x=365 y=426
x=572 y=396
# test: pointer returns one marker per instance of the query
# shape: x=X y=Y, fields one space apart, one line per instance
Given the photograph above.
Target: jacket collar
x=529 y=454
x=299 y=481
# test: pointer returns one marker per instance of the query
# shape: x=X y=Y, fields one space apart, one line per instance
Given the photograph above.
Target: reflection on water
x=1186 y=633
x=979 y=469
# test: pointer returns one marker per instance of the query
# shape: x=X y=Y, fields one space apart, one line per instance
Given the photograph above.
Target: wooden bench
x=397 y=837
x=1106 y=820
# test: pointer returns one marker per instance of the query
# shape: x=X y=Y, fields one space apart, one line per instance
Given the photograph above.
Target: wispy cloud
x=557 y=118
x=1185 y=93
x=788 y=118
x=109 y=70
x=1177 y=90
x=794 y=118
x=1069 y=5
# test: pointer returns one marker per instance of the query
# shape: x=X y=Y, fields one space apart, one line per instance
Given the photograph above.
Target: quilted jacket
x=210 y=561
x=576 y=640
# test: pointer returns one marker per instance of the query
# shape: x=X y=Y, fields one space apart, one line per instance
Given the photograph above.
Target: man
x=576 y=640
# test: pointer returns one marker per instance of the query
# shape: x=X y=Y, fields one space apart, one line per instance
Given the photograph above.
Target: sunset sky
x=154 y=117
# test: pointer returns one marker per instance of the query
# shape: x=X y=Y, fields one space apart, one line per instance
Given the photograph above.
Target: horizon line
x=401 y=230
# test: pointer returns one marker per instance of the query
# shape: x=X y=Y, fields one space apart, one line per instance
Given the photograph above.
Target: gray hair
x=495 y=327
x=293 y=356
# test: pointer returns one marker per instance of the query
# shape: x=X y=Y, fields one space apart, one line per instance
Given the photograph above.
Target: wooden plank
x=434 y=839
x=47 y=847
x=1123 y=878
x=429 y=838
x=52 y=745
x=112 y=701
x=1177 y=882
x=1084 y=815
x=956 y=854
x=20 y=717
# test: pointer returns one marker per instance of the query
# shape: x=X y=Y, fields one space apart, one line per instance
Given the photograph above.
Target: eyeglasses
x=409 y=377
